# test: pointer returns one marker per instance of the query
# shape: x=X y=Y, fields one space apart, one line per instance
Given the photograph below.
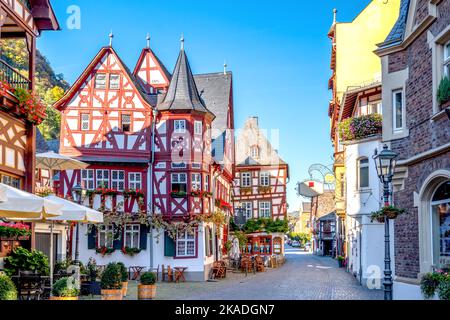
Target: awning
x=18 y=204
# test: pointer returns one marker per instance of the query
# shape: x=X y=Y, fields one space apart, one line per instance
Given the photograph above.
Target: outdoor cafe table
x=135 y=272
x=179 y=274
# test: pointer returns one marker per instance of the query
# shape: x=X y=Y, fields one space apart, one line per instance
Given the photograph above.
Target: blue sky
x=278 y=51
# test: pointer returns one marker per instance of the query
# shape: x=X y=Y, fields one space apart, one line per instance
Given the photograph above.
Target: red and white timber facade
x=261 y=175
x=20 y=21
x=152 y=131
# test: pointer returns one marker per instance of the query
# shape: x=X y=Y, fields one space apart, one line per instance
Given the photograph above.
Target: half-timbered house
x=20 y=21
x=260 y=182
x=155 y=146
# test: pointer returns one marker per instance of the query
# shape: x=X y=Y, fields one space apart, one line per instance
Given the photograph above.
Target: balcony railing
x=11 y=76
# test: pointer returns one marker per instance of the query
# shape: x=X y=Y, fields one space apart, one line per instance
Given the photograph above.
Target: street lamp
x=77 y=192
x=385 y=163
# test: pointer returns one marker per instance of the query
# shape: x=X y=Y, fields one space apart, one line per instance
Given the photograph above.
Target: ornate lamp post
x=385 y=163
x=77 y=192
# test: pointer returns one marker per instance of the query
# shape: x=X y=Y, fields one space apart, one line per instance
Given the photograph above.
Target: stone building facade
x=415 y=58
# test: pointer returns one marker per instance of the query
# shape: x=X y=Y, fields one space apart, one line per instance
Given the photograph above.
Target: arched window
x=363 y=173
x=440 y=226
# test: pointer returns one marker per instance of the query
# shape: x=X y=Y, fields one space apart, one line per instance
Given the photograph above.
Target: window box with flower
x=361 y=127
x=443 y=94
x=104 y=251
x=14 y=231
x=134 y=193
x=178 y=194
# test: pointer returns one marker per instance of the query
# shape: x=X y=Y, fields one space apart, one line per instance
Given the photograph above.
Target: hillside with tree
x=49 y=86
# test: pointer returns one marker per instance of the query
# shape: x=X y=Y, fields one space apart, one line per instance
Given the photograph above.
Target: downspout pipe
x=150 y=179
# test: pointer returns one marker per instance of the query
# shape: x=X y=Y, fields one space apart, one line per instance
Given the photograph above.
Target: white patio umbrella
x=74 y=213
x=54 y=161
x=21 y=205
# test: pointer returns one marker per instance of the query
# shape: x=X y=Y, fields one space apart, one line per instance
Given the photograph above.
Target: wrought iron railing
x=11 y=76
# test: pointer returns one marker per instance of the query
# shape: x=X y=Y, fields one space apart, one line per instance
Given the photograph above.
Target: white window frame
x=102 y=179
x=106 y=236
x=179 y=126
x=359 y=166
x=177 y=178
x=446 y=61
x=100 y=85
x=246 y=177
x=247 y=206
x=115 y=182
x=183 y=237
x=133 y=182
x=265 y=209
x=196 y=181
x=198 y=128
x=116 y=86
x=87 y=182
x=131 y=230
x=394 y=110
x=264 y=179
x=85 y=120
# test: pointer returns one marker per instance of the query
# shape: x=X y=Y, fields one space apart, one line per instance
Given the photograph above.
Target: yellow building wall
x=355 y=42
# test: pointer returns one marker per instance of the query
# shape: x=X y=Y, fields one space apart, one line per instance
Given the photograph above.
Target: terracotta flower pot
x=124 y=288
x=146 y=292
x=63 y=298
x=112 y=294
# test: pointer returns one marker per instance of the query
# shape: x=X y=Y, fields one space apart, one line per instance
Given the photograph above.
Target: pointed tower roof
x=182 y=93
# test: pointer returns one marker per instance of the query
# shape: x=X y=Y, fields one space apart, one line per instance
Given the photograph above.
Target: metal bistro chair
x=30 y=286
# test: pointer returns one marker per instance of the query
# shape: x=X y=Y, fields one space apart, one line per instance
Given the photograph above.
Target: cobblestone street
x=303 y=277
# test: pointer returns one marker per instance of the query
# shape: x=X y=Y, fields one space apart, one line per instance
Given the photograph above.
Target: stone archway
x=429 y=187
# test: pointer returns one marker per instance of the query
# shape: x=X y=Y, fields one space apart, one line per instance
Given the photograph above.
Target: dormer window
x=100 y=81
x=114 y=81
x=254 y=152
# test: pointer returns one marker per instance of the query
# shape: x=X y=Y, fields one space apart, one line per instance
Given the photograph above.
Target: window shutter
x=169 y=246
x=92 y=243
x=143 y=237
x=207 y=249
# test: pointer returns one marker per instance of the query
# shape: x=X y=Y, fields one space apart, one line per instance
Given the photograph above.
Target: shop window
x=440 y=209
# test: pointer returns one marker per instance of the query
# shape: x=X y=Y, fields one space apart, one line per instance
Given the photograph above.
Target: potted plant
x=25 y=260
x=341 y=260
x=111 y=283
x=124 y=277
x=65 y=289
x=8 y=290
x=93 y=273
x=389 y=212
x=147 y=287
x=443 y=94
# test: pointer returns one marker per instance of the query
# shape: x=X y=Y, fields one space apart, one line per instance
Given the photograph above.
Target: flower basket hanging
x=389 y=212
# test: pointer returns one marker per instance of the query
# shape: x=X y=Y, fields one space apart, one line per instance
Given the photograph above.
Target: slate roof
x=41 y=144
x=182 y=93
x=215 y=89
x=398 y=31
